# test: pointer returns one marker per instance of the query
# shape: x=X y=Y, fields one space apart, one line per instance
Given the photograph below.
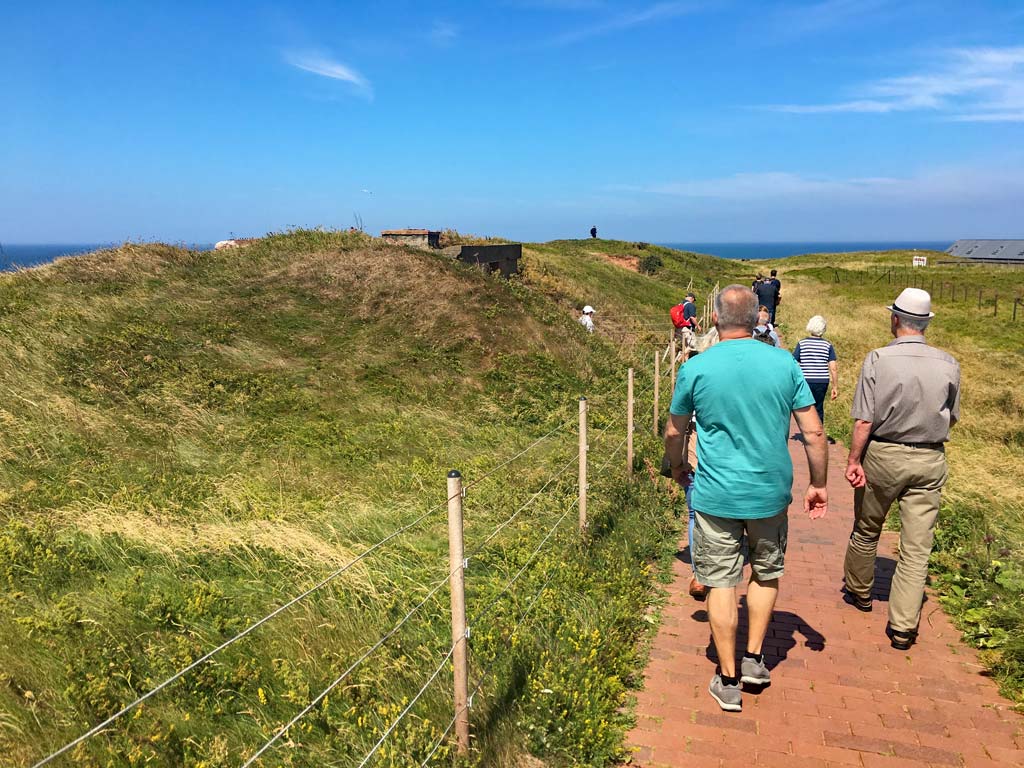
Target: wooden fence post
x=583 y=465
x=629 y=424
x=995 y=305
x=979 y=298
x=672 y=383
x=1015 y=303
x=457 y=581
x=657 y=388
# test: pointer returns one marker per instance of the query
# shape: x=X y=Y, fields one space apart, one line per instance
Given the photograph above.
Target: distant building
x=996 y=251
x=417 y=238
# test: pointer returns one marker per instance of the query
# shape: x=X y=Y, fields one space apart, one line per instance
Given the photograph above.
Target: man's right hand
x=855 y=474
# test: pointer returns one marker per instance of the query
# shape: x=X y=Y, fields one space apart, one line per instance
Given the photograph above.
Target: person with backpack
x=764 y=330
x=684 y=318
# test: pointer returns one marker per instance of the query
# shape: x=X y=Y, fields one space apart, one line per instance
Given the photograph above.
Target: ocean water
x=34 y=254
x=780 y=250
x=14 y=256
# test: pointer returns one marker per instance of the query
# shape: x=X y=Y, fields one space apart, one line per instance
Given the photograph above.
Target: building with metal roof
x=996 y=251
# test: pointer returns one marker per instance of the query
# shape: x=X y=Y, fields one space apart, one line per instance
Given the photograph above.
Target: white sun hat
x=913 y=302
x=588 y=310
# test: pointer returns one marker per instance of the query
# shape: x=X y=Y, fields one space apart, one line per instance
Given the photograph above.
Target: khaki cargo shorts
x=718 y=548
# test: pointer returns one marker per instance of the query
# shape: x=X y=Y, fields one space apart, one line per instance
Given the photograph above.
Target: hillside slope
x=189 y=439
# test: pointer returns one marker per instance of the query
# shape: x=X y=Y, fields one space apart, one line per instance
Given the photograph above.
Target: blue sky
x=532 y=119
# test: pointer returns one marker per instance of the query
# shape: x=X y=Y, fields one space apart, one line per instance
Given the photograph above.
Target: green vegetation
x=978 y=564
x=189 y=439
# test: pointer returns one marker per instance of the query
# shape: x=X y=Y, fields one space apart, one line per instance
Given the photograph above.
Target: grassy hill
x=189 y=439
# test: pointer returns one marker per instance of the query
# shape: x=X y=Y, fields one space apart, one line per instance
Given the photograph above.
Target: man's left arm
x=816 y=498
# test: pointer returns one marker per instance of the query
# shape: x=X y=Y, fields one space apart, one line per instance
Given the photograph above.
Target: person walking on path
x=742 y=486
x=907 y=399
x=766 y=295
x=764 y=330
x=817 y=359
x=774 y=280
x=687 y=326
x=587 y=318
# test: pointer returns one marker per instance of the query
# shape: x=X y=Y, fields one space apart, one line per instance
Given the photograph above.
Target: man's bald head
x=736 y=309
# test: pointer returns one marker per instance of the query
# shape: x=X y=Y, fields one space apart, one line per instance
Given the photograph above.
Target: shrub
x=650 y=263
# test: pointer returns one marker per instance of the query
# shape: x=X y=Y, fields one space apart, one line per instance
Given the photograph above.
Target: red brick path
x=840 y=695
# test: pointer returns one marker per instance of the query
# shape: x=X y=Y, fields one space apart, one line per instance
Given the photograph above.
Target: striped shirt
x=813 y=354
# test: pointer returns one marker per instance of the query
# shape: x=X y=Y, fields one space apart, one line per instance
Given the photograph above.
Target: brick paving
x=840 y=694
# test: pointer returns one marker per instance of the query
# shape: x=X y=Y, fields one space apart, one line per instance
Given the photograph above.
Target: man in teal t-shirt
x=743 y=393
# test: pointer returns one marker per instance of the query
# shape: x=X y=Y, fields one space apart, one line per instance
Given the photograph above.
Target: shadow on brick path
x=840 y=694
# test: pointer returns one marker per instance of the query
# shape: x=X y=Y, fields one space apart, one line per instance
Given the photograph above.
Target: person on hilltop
x=742 y=487
x=774 y=280
x=764 y=330
x=593 y=232
x=587 y=318
x=907 y=399
x=817 y=359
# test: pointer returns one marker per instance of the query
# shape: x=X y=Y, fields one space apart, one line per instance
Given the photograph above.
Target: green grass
x=978 y=563
x=189 y=439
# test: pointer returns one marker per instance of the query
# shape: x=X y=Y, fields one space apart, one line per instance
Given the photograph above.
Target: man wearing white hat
x=908 y=397
x=587 y=318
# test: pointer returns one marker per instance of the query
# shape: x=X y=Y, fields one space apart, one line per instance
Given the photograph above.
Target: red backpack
x=676 y=314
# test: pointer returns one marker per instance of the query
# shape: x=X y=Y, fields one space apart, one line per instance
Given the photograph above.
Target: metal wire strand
x=342 y=677
x=486 y=609
x=565 y=468
x=519 y=455
x=280 y=609
x=409 y=706
x=484 y=676
x=251 y=628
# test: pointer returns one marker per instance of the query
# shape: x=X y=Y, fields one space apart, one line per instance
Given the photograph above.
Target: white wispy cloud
x=968 y=85
x=321 y=64
x=628 y=20
x=443 y=33
x=935 y=185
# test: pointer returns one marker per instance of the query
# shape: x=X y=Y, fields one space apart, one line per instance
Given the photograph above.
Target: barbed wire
x=519 y=455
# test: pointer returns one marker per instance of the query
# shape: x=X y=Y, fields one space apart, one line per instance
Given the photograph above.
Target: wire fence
x=458 y=569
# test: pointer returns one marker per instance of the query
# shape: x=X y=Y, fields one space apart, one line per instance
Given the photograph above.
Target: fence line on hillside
x=459 y=567
x=952 y=290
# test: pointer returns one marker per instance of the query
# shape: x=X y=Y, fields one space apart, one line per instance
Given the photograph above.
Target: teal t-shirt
x=743 y=392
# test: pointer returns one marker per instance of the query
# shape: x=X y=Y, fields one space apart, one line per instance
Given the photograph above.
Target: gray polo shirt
x=909 y=391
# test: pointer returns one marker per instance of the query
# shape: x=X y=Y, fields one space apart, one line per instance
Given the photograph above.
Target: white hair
x=919 y=324
x=816 y=325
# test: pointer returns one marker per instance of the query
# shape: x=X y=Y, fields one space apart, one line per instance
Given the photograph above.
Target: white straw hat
x=588 y=310
x=913 y=302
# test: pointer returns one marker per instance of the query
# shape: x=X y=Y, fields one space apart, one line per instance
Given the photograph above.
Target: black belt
x=931 y=446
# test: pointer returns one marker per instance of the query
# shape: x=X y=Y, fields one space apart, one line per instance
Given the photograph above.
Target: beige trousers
x=914 y=477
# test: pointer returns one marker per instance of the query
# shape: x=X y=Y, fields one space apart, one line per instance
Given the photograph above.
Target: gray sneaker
x=754 y=672
x=729 y=697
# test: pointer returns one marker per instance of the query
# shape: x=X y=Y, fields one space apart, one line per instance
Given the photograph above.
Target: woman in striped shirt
x=817 y=359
